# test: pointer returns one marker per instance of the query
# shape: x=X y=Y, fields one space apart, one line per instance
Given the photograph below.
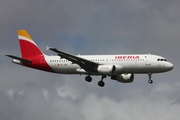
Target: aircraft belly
x=143 y=69
x=137 y=69
x=65 y=68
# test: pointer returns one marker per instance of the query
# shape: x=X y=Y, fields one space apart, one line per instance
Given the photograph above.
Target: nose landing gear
x=150 y=81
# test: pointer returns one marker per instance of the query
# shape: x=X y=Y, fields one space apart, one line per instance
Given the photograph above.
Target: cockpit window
x=160 y=59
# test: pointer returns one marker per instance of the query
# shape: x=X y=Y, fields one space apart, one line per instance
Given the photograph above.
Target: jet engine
x=110 y=69
x=124 y=78
x=106 y=69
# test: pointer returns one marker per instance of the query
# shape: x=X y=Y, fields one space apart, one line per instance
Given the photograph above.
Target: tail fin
x=27 y=45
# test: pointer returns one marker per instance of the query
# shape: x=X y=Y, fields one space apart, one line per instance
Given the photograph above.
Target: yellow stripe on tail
x=27 y=45
x=24 y=34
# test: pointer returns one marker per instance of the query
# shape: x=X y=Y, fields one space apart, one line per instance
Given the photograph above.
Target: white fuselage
x=136 y=63
x=119 y=67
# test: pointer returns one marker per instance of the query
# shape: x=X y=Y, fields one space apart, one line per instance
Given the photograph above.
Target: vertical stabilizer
x=27 y=45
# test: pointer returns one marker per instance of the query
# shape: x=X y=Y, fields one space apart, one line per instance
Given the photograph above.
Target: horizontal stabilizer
x=18 y=58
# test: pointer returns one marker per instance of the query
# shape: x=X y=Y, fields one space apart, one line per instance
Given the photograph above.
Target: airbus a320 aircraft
x=118 y=67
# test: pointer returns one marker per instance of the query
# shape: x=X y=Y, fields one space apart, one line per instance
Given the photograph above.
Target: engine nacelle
x=124 y=78
x=118 y=69
x=106 y=69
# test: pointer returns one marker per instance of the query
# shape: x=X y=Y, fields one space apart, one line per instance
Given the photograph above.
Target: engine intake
x=124 y=78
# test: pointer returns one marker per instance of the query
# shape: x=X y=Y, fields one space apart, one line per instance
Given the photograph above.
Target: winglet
x=47 y=48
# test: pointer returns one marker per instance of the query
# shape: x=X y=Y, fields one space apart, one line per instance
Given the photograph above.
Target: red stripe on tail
x=29 y=49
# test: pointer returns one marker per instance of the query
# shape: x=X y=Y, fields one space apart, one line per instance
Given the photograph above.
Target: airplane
x=118 y=67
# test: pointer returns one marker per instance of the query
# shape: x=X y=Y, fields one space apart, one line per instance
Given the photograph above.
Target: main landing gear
x=100 y=83
x=88 y=78
x=150 y=81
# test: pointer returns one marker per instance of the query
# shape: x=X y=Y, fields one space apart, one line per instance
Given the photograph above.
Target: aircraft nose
x=170 y=66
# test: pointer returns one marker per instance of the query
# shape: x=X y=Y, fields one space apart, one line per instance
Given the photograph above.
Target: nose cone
x=169 y=66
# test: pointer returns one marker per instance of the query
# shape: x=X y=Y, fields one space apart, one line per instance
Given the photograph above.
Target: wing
x=87 y=65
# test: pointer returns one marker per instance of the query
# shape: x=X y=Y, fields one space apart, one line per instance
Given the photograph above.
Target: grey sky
x=90 y=27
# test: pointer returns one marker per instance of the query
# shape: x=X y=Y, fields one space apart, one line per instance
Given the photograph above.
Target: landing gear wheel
x=101 y=83
x=88 y=78
x=150 y=81
x=150 y=76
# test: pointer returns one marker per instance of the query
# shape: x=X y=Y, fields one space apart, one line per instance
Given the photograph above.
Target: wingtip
x=47 y=48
